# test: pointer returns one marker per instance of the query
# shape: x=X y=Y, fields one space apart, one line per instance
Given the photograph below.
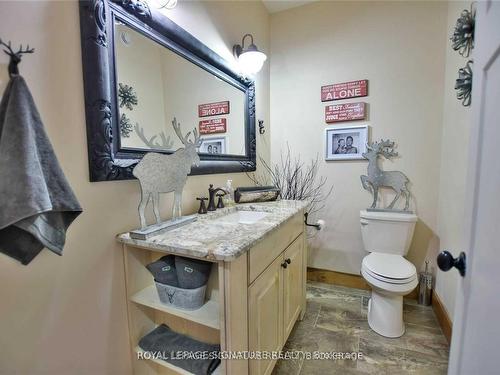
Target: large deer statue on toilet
x=378 y=178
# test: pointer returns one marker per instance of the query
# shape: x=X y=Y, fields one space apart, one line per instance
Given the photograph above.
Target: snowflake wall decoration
x=127 y=96
x=463 y=84
x=463 y=35
x=125 y=126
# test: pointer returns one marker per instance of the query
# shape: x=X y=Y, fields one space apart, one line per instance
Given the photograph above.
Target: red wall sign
x=213 y=109
x=345 y=112
x=344 y=90
x=212 y=126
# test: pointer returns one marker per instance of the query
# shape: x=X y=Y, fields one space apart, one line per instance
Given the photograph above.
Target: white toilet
x=387 y=236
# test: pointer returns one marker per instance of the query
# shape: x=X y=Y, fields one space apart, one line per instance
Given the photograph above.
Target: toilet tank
x=387 y=232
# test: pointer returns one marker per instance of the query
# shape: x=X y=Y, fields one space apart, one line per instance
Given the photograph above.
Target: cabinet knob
x=284 y=264
x=288 y=260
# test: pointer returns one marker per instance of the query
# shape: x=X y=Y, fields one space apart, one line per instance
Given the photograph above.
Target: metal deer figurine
x=378 y=178
x=166 y=173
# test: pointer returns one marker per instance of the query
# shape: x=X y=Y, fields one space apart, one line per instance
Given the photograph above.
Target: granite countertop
x=211 y=239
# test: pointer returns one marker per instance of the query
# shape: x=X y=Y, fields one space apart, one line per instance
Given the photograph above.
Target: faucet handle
x=203 y=207
x=220 y=203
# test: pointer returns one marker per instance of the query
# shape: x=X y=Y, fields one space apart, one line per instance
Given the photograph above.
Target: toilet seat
x=389 y=272
x=389 y=280
x=389 y=287
x=389 y=268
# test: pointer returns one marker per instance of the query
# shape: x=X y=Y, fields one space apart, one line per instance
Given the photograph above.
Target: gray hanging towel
x=37 y=204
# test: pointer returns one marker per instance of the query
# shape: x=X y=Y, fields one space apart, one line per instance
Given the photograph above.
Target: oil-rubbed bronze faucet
x=211 y=194
x=203 y=208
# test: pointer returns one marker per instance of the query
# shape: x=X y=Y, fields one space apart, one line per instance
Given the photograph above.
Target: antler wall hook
x=15 y=57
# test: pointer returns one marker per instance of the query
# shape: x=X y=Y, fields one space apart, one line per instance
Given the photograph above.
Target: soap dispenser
x=229 y=196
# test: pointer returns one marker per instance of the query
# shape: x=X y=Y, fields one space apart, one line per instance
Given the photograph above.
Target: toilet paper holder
x=319 y=224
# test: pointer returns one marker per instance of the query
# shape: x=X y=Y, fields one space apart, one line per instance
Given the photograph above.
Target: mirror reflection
x=154 y=85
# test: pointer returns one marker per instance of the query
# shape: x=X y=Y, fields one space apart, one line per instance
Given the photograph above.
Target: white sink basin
x=243 y=217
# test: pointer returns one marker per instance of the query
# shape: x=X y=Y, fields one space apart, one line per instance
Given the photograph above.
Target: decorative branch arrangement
x=166 y=143
x=15 y=57
x=295 y=180
x=463 y=35
x=463 y=84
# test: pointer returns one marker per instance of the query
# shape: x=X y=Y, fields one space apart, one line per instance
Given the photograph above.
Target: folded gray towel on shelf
x=163 y=270
x=37 y=205
x=163 y=339
x=192 y=273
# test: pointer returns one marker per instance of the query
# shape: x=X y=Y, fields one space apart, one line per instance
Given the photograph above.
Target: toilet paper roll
x=321 y=224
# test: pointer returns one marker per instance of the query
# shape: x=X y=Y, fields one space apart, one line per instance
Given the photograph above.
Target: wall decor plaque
x=213 y=109
x=345 y=90
x=345 y=112
x=213 y=126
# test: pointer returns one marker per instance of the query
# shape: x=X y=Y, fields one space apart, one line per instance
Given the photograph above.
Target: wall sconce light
x=250 y=59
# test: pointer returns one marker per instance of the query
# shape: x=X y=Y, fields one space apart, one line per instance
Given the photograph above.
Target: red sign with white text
x=345 y=90
x=345 y=112
x=213 y=109
x=212 y=126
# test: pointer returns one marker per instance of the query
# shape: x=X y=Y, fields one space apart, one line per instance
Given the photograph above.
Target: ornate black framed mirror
x=140 y=70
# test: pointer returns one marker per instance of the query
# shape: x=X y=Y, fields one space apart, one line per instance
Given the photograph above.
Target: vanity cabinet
x=265 y=316
x=275 y=301
x=253 y=299
x=293 y=281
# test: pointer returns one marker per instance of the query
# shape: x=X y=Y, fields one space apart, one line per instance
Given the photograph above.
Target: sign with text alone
x=213 y=125
x=213 y=109
x=345 y=90
x=345 y=112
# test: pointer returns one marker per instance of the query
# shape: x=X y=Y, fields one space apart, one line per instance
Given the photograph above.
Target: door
x=293 y=263
x=265 y=316
x=476 y=327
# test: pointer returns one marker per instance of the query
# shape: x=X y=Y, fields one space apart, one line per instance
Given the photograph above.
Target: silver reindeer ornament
x=166 y=173
x=378 y=178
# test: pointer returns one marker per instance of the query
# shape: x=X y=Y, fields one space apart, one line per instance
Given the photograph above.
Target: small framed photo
x=346 y=142
x=213 y=145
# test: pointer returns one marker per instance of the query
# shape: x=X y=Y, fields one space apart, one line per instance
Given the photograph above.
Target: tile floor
x=336 y=320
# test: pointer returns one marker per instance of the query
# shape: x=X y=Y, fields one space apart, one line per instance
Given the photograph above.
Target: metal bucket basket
x=187 y=299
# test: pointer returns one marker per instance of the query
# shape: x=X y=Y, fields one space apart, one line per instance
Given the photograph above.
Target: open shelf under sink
x=170 y=366
x=207 y=315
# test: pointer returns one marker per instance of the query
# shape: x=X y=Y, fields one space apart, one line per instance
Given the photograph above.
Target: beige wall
x=454 y=156
x=67 y=314
x=400 y=48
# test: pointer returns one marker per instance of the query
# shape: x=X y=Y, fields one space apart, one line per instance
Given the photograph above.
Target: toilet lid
x=389 y=266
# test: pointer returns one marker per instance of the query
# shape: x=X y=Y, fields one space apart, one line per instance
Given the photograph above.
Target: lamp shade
x=251 y=61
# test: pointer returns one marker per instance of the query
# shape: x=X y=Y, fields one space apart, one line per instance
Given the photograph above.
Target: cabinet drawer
x=262 y=254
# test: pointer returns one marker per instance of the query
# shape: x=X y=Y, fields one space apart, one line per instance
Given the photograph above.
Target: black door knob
x=284 y=264
x=446 y=261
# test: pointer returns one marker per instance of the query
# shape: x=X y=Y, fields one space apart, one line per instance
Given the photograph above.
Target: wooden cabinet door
x=265 y=316
x=293 y=279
